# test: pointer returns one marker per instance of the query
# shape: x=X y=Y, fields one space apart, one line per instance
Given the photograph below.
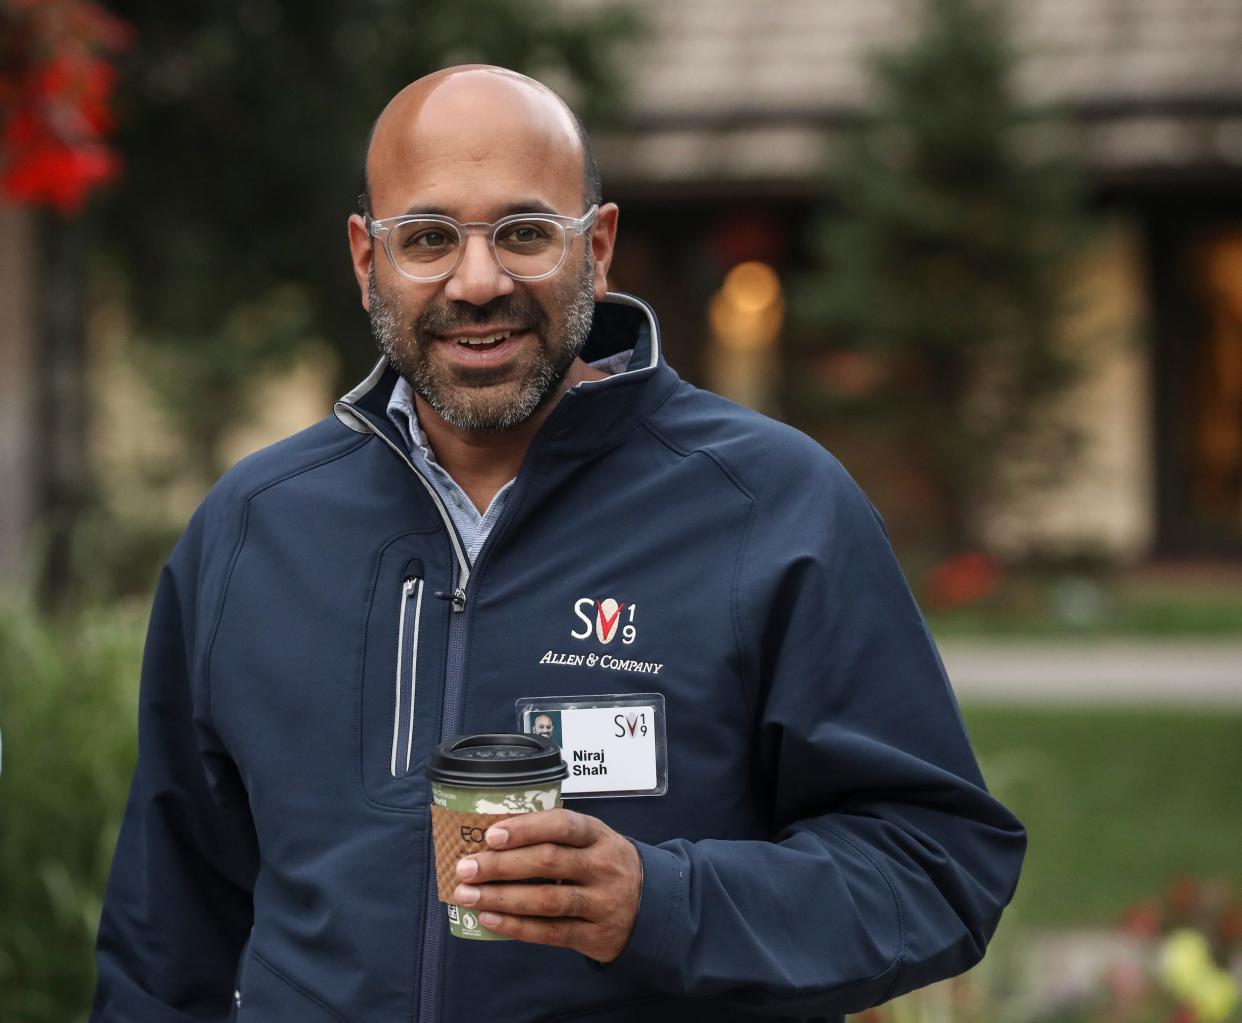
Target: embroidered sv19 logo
x=606 y=618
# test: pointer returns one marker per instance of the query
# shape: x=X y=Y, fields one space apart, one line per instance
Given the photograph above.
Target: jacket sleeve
x=888 y=863
x=178 y=907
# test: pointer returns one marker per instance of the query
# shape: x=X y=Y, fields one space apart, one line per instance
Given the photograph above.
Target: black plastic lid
x=496 y=761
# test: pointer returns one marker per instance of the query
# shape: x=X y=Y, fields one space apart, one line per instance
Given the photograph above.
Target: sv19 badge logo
x=606 y=619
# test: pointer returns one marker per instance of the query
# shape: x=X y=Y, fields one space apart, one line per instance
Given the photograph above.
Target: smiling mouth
x=486 y=343
x=481 y=344
x=485 y=349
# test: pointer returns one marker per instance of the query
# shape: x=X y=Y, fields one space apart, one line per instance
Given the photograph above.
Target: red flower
x=54 y=113
x=1184 y=895
x=1142 y=921
x=59 y=176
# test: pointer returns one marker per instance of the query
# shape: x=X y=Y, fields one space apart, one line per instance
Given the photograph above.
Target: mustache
x=518 y=310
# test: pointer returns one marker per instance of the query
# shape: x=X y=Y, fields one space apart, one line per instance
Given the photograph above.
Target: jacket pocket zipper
x=407 y=671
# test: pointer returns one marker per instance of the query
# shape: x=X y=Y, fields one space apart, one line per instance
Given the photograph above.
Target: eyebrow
x=526 y=206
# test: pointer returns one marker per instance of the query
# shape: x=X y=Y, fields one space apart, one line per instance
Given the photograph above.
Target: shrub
x=68 y=692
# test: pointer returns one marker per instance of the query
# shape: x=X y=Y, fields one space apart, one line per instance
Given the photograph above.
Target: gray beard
x=466 y=407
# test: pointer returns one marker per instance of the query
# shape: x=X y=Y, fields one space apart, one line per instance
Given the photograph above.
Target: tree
x=56 y=79
x=942 y=261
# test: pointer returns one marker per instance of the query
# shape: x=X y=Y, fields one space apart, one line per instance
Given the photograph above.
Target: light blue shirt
x=472 y=525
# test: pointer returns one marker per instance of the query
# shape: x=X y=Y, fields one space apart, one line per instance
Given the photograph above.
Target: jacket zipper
x=406 y=684
x=433 y=931
x=450 y=721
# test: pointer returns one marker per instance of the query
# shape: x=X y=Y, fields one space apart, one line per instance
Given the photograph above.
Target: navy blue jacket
x=826 y=841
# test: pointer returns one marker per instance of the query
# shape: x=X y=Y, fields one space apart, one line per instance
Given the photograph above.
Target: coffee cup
x=477 y=780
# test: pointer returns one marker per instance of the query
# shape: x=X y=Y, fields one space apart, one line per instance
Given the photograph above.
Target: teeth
x=490 y=339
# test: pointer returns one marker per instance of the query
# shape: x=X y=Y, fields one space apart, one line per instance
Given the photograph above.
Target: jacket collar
x=592 y=416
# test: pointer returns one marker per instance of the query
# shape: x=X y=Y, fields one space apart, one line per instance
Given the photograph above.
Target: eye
x=524 y=234
x=428 y=238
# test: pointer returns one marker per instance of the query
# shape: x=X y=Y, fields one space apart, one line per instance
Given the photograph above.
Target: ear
x=603 y=238
x=362 y=252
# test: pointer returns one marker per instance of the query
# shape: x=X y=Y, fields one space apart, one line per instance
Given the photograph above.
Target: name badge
x=613 y=745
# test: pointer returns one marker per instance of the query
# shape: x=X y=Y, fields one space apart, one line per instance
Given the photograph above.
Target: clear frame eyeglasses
x=526 y=246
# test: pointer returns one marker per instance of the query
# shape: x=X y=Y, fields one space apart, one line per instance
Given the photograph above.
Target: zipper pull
x=458 y=597
x=413 y=573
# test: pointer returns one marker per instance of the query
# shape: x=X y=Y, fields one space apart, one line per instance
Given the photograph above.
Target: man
x=523 y=507
x=543 y=726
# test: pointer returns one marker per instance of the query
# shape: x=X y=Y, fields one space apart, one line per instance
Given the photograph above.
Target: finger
x=542 y=900
x=564 y=827
x=561 y=932
x=544 y=861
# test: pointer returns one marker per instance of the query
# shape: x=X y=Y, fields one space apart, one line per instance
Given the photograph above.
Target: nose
x=478 y=279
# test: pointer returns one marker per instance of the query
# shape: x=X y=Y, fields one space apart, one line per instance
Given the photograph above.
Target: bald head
x=456 y=99
x=481 y=145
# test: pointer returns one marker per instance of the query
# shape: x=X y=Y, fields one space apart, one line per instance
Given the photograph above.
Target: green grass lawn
x=1099 y=613
x=1116 y=802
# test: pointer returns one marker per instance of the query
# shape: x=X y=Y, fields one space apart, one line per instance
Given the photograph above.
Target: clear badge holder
x=614 y=745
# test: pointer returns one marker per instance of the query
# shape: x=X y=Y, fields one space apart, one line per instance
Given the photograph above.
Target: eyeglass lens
x=524 y=248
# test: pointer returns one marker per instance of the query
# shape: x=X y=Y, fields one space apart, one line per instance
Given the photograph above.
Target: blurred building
x=732 y=114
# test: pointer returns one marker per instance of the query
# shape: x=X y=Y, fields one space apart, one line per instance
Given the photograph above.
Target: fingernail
x=466 y=869
x=489 y=919
x=465 y=895
x=497 y=836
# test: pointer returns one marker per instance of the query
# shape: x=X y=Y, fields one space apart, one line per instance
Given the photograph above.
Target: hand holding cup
x=591 y=882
